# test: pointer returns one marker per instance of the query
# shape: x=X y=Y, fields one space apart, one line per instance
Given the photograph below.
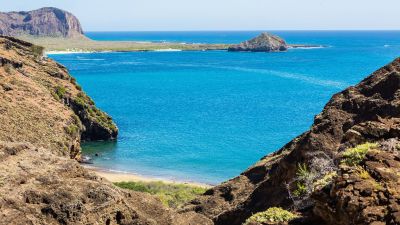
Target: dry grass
x=171 y=195
x=86 y=44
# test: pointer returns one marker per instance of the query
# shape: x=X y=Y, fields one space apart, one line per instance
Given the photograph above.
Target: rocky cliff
x=51 y=22
x=37 y=93
x=265 y=42
x=44 y=114
x=309 y=175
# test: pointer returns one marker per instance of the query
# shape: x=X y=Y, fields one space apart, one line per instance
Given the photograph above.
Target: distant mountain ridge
x=47 y=21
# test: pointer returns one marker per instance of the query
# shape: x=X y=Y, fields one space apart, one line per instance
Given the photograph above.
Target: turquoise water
x=206 y=116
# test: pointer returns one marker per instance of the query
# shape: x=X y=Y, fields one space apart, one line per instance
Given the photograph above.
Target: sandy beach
x=115 y=176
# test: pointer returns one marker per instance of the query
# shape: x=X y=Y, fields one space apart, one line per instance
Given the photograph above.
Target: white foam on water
x=168 y=50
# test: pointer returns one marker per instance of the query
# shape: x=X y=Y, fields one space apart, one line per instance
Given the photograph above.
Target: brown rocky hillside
x=41 y=103
x=44 y=114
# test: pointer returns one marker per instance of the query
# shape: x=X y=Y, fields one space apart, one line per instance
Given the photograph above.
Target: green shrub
x=325 y=180
x=354 y=156
x=272 y=215
x=55 y=96
x=72 y=129
x=301 y=189
x=302 y=171
x=80 y=101
x=8 y=68
x=171 y=195
x=60 y=92
x=304 y=178
x=37 y=50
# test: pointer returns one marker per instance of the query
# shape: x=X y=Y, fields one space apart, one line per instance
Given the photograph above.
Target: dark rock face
x=367 y=112
x=98 y=125
x=51 y=22
x=367 y=194
x=265 y=42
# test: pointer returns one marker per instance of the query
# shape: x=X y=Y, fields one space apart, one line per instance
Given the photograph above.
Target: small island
x=265 y=42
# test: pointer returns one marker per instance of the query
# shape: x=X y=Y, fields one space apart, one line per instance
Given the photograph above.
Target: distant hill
x=49 y=22
x=264 y=42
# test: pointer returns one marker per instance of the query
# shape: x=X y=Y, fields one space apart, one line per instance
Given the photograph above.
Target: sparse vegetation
x=354 y=156
x=84 y=105
x=272 y=215
x=60 y=92
x=362 y=173
x=171 y=195
x=8 y=68
x=37 y=50
x=72 y=129
x=318 y=173
x=304 y=176
x=325 y=180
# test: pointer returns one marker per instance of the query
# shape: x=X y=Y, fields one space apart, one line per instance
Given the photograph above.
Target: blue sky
x=140 y=15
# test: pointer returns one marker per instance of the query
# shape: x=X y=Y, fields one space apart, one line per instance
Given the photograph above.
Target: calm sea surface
x=206 y=116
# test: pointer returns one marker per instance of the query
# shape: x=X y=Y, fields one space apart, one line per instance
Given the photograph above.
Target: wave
x=313 y=47
x=68 y=52
x=79 y=58
x=296 y=76
x=167 y=50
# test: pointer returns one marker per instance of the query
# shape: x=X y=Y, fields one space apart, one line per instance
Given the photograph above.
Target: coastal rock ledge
x=265 y=42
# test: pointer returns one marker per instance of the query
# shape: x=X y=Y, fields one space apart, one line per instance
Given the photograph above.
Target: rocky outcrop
x=51 y=22
x=367 y=112
x=38 y=187
x=364 y=194
x=37 y=93
x=265 y=42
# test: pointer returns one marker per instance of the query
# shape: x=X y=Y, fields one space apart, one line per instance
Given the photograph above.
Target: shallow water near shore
x=206 y=116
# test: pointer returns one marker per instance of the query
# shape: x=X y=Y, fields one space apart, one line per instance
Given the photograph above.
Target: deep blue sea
x=206 y=116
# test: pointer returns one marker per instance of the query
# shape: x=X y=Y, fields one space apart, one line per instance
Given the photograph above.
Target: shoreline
x=84 y=45
x=120 y=176
x=81 y=51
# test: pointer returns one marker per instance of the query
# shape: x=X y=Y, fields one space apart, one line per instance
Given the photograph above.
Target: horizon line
x=256 y=30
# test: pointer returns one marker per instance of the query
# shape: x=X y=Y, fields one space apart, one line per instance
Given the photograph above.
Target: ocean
x=206 y=116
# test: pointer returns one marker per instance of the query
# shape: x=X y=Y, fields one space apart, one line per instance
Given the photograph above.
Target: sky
x=186 y=15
